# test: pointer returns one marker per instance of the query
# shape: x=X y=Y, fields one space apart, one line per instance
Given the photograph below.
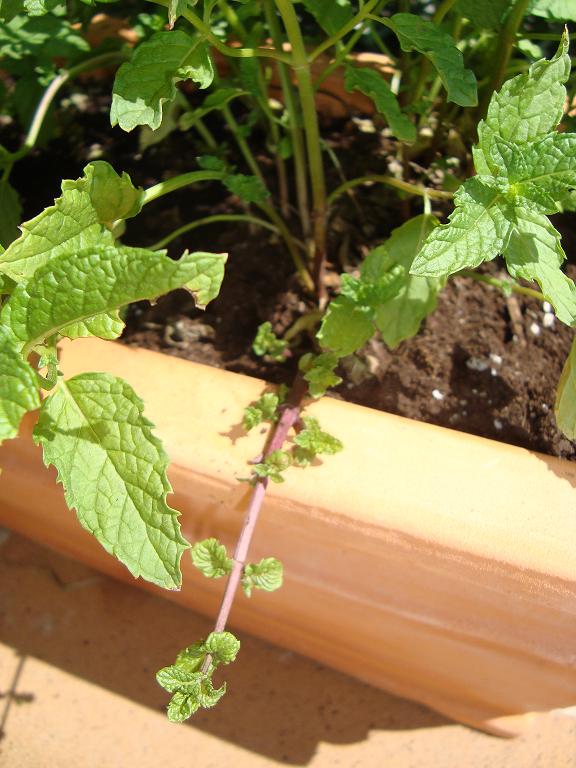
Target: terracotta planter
x=434 y=564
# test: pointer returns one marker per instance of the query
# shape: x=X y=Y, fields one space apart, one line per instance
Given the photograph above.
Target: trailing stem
x=289 y=417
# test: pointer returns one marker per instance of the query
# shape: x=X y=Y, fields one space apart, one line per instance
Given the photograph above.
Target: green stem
x=206 y=134
x=301 y=67
x=502 y=285
x=391 y=181
x=177 y=182
x=358 y=19
x=206 y=221
x=506 y=42
x=294 y=122
x=49 y=95
x=238 y=53
x=242 y=143
x=444 y=8
x=290 y=241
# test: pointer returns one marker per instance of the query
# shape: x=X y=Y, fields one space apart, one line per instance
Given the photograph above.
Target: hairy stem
x=502 y=285
x=391 y=181
x=290 y=416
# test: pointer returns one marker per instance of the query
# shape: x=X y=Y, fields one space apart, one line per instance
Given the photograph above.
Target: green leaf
x=144 y=84
x=525 y=109
x=415 y=33
x=113 y=469
x=10 y=212
x=222 y=646
x=331 y=15
x=211 y=558
x=346 y=326
x=400 y=317
x=104 y=326
x=318 y=371
x=565 y=407
x=175 y=9
x=314 y=441
x=18 y=388
x=477 y=231
x=103 y=280
x=534 y=252
x=10 y=8
x=485 y=14
x=268 y=575
x=178 y=678
x=181 y=707
x=544 y=170
x=77 y=220
x=555 y=10
x=267 y=344
x=250 y=189
x=273 y=466
x=263 y=409
x=372 y=84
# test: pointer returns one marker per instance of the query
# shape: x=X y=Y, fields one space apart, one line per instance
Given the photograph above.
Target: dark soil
x=471 y=368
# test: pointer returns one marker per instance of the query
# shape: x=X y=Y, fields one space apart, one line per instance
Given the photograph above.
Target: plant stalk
x=391 y=181
x=177 y=182
x=206 y=221
x=502 y=285
x=290 y=416
x=301 y=66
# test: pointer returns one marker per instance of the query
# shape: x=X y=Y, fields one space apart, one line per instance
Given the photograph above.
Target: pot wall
x=434 y=564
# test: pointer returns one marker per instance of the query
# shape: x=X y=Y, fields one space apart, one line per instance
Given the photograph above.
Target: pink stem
x=290 y=416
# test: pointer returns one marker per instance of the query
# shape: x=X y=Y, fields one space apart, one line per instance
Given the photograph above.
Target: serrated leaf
x=526 y=108
x=104 y=279
x=181 y=707
x=544 y=168
x=10 y=212
x=267 y=344
x=77 y=220
x=222 y=646
x=534 y=252
x=105 y=326
x=211 y=558
x=331 y=15
x=400 y=317
x=263 y=409
x=346 y=326
x=92 y=428
x=146 y=82
x=565 y=406
x=268 y=575
x=415 y=33
x=273 y=466
x=177 y=678
x=318 y=371
x=18 y=388
x=250 y=189
x=315 y=440
x=372 y=84
x=477 y=231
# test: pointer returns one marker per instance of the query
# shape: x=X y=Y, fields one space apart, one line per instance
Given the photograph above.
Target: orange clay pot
x=435 y=564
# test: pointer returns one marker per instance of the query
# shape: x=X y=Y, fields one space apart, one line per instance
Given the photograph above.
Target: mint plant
x=67 y=273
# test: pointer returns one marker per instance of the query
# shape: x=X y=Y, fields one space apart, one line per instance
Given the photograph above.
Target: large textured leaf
x=74 y=287
x=346 y=326
x=77 y=220
x=534 y=252
x=372 y=84
x=565 y=408
x=10 y=210
x=415 y=33
x=485 y=14
x=113 y=469
x=18 y=388
x=331 y=15
x=546 y=167
x=526 y=108
x=400 y=317
x=477 y=231
x=144 y=84
x=555 y=10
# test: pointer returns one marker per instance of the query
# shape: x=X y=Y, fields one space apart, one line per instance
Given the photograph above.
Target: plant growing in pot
x=67 y=274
